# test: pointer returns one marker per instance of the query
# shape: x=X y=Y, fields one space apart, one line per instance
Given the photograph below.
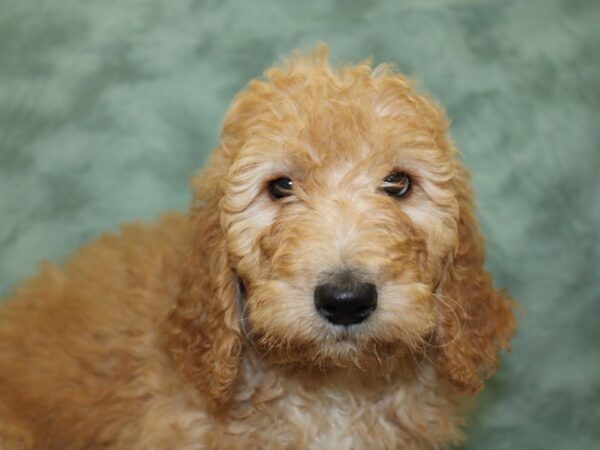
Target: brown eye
x=281 y=187
x=397 y=184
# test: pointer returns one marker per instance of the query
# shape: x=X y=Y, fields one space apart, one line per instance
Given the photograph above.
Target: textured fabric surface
x=108 y=107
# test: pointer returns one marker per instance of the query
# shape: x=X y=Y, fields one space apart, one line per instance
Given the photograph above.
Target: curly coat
x=200 y=332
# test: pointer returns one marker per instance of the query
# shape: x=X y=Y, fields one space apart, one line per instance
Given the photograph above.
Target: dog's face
x=339 y=213
x=335 y=202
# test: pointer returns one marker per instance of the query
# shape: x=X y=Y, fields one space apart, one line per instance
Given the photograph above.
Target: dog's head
x=334 y=227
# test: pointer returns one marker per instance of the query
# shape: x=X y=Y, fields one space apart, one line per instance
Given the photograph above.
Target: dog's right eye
x=397 y=184
x=281 y=187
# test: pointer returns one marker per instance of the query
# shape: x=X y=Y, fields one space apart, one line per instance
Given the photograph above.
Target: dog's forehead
x=344 y=140
x=331 y=128
x=327 y=131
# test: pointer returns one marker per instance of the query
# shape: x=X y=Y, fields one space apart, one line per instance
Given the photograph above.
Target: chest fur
x=340 y=413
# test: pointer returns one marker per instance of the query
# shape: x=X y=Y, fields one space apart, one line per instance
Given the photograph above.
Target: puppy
x=325 y=291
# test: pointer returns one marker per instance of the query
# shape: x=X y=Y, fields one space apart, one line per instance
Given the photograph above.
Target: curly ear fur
x=476 y=321
x=202 y=330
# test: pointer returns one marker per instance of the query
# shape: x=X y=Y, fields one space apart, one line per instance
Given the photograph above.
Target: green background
x=108 y=107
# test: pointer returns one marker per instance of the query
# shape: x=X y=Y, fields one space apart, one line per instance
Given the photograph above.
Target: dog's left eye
x=397 y=184
x=281 y=187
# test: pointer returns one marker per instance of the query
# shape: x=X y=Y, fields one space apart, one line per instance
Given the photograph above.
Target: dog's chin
x=338 y=348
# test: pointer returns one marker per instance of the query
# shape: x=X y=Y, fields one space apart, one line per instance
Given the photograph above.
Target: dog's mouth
x=319 y=343
x=344 y=335
x=347 y=334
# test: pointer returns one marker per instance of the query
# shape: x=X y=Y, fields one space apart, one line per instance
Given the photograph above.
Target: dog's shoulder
x=83 y=335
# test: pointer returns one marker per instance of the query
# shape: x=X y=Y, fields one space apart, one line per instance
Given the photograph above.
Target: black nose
x=345 y=303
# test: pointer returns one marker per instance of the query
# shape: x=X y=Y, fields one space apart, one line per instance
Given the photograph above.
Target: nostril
x=329 y=311
x=364 y=309
x=345 y=303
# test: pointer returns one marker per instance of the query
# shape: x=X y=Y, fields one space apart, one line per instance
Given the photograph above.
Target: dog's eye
x=397 y=184
x=281 y=187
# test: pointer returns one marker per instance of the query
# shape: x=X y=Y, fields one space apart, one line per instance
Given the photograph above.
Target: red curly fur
x=470 y=345
x=200 y=331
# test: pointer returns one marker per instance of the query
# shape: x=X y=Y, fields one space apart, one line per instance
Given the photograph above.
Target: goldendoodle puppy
x=326 y=290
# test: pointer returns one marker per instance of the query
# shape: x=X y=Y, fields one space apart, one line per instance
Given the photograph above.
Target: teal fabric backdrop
x=108 y=107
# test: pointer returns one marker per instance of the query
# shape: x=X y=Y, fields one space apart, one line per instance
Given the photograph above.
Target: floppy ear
x=476 y=321
x=202 y=333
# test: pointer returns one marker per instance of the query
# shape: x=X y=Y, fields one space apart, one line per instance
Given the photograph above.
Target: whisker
x=445 y=300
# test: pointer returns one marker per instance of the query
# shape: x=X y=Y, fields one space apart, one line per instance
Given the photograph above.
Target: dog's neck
x=257 y=373
x=291 y=403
